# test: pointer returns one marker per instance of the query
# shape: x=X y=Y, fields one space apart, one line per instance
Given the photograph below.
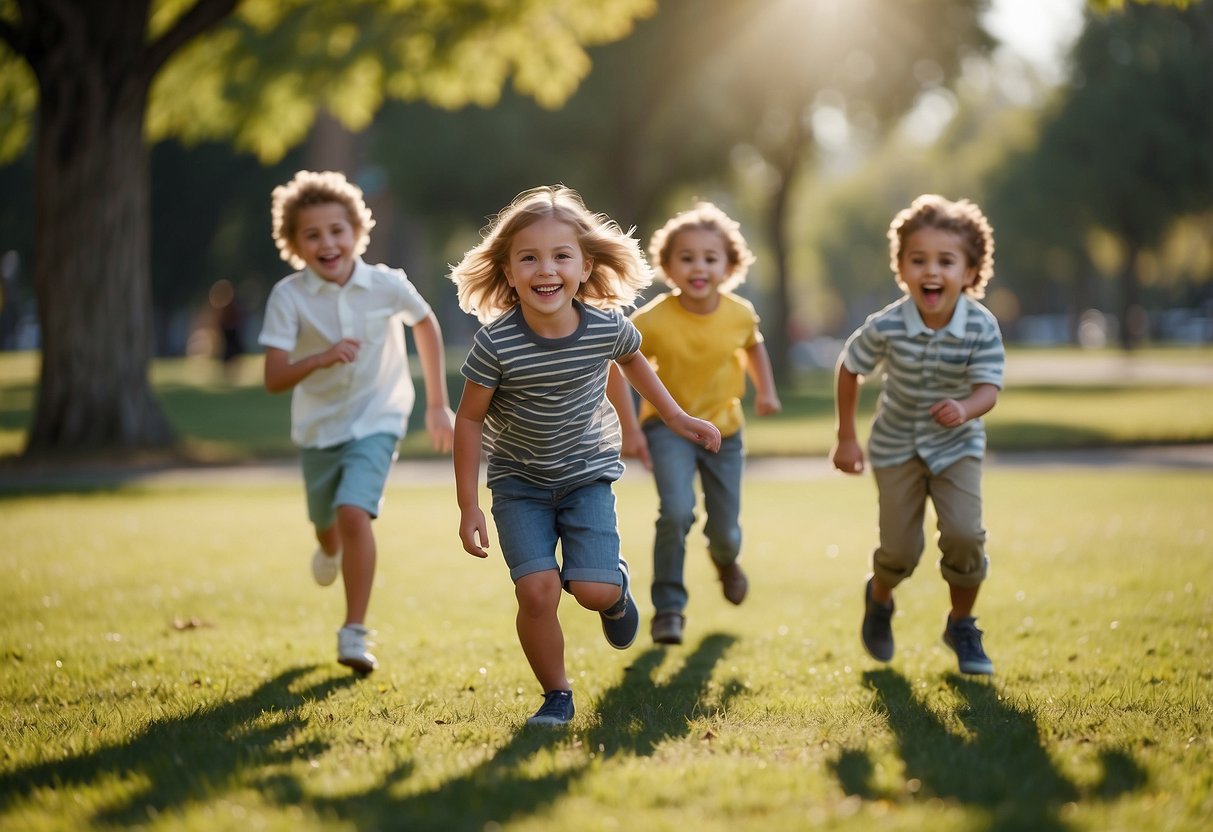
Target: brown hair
x=962 y=218
x=310 y=188
x=707 y=217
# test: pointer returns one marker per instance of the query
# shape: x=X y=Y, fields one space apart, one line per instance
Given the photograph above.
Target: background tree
x=1102 y=164
x=259 y=78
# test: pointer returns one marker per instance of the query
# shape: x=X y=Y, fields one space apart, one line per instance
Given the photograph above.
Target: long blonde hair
x=618 y=273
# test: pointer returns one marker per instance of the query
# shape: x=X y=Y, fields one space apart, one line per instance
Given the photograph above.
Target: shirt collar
x=955 y=327
x=315 y=284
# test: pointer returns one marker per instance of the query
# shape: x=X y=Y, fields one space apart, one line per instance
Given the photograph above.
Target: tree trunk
x=1132 y=316
x=92 y=252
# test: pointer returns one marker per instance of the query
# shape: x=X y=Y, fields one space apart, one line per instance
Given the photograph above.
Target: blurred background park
x=1084 y=128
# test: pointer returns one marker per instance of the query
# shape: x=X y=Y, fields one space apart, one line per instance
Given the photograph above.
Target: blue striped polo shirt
x=921 y=366
x=549 y=421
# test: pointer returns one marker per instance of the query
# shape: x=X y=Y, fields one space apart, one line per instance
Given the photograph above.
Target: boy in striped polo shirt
x=941 y=358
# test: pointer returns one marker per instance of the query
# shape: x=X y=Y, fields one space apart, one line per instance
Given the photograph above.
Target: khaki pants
x=955 y=493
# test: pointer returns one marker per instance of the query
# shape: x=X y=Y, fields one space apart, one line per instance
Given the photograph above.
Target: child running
x=333 y=334
x=942 y=358
x=547 y=281
x=702 y=340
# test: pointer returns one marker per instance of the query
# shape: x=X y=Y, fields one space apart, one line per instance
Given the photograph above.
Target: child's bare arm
x=439 y=420
x=620 y=395
x=847 y=455
x=469 y=429
x=952 y=413
x=758 y=365
x=282 y=375
x=641 y=376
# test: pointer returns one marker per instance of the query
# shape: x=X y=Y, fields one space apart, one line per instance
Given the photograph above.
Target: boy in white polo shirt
x=942 y=358
x=334 y=334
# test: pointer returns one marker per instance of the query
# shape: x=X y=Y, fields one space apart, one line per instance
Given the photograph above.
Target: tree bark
x=92 y=250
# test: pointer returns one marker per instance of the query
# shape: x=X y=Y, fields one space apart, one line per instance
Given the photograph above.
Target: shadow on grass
x=998 y=764
x=632 y=718
x=184 y=759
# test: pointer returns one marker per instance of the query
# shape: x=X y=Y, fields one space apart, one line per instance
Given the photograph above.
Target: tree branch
x=202 y=15
x=12 y=36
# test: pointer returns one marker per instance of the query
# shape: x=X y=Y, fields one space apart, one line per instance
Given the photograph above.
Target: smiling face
x=546 y=267
x=325 y=239
x=934 y=271
x=698 y=263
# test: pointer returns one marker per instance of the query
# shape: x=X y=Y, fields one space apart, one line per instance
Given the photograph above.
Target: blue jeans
x=530 y=520
x=675 y=462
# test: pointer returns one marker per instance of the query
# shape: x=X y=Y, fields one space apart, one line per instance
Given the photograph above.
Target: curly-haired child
x=942 y=360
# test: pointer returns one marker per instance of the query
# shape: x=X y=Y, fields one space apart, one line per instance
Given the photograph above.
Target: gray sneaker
x=352 y=649
x=877 y=631
x=621 y=621
x=557 y=709
x=965 y=640
x=325 y=567
x=667 y=627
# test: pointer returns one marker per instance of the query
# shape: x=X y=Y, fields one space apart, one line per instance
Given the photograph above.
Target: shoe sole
x=548 y=722
x=986 y=669
x=357 y=665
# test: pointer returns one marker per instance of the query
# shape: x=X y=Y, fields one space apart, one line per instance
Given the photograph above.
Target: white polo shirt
x=306 y=315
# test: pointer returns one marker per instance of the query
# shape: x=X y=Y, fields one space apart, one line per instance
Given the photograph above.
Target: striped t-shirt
x=549 y=421
x=921 y=366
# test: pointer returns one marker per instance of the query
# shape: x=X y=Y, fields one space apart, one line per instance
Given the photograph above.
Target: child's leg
x=720 y=474
x=358 y=560
x=674 y=474
x=329 y=540
x=539 y=630
x=956 y=494
x=903 y=499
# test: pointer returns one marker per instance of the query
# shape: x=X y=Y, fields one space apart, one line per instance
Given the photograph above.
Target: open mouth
x=547 y=291
x=932 y=293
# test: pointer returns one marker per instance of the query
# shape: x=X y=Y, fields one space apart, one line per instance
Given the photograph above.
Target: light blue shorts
x=353 y=473
x=531 y=520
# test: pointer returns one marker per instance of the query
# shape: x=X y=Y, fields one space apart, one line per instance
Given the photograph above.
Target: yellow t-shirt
x=700 y=358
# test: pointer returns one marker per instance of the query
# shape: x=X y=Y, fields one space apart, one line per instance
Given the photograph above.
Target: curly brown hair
x=310 y=188
x=707 y=217
x=962 y=218
x=618 y=273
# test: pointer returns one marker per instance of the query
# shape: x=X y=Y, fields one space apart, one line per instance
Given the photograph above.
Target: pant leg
x=903 y=500
x=720 y=476
x=674 y=473
x=956 y=495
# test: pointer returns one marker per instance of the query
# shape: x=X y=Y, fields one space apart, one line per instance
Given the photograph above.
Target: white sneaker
x=351 y=648
x=325 y=568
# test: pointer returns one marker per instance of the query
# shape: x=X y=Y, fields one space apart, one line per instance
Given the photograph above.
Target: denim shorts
x=353 y=473
x=531 y=520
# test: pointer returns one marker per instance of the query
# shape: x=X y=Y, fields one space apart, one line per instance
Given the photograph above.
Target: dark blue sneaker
x=965 y=640
x=877 y=631
x=621 y=621
x=557 y=709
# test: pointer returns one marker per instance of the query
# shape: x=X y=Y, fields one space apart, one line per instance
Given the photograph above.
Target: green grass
x=235 y=419
x=167 y=664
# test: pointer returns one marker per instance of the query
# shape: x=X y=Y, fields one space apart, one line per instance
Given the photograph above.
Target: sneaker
x=877 y=631
x=325 y=567
x=965 y=640
x=351 y=648
x=621 y=622
x=733 y=582
x=667 y=627
x=557 y=709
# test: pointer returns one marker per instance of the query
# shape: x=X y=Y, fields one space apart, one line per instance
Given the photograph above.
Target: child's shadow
x=180 y=759
x=633 y=717
x=999 y=765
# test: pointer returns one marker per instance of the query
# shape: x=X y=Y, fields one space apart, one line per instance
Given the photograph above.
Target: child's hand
x=767 y=405
x=847 y=456
x=344 y=351
x=440 y=424
x=949 y=413
x=635 y=446
x=698 y=431
x=474 y=532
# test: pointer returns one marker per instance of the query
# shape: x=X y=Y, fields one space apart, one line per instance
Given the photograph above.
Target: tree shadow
x=998 y=763
x=181 y=759
x=634 y=717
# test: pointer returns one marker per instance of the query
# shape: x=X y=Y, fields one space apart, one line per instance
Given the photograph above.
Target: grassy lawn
x=235 y=419
x=168 y=664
